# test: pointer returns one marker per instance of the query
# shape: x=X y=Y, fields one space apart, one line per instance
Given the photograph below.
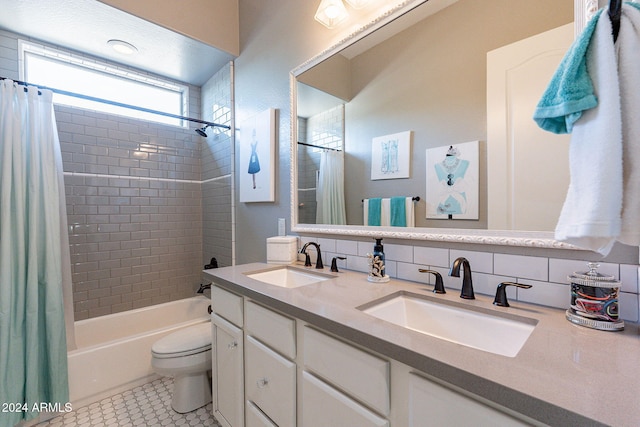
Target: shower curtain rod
x=317 y=146
x=118 y=104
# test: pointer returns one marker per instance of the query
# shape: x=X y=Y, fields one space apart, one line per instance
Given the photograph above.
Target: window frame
x=82 y=60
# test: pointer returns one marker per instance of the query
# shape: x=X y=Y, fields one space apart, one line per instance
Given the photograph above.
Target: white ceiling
x=87 y=25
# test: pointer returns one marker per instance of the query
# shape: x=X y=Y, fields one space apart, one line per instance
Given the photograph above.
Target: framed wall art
x=257 y=136
x=391 y=156
x=452 y=181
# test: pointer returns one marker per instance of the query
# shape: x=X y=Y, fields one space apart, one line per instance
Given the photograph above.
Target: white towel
x=628 y=49
x=411 y=217
x=590 y=217
x=385 y=212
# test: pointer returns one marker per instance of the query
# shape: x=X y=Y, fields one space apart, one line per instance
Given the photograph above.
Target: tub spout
x=203 y=288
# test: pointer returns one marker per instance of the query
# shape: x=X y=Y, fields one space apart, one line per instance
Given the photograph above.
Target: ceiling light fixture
x=122 y=47
x=331 y=12
x=358 y=4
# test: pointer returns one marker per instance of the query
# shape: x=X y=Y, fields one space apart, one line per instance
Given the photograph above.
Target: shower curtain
x=330 y=189
x=34 y=256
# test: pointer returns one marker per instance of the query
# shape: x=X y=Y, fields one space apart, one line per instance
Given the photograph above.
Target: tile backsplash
x=547 y=275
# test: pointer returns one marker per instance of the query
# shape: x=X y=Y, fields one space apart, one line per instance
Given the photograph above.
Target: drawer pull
x=232 y=346
x=262 y=382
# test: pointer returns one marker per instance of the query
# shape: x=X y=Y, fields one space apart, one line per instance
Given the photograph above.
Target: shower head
x=201 y=131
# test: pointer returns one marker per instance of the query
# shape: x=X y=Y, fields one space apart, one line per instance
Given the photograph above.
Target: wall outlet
x=282 y=230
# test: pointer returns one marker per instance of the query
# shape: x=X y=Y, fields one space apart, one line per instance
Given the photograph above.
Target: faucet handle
x=307 y=260
x=334 y=263
x=439 y=288
x=501 y=292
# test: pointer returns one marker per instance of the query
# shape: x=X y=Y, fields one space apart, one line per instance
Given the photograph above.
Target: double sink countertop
x=563 y=375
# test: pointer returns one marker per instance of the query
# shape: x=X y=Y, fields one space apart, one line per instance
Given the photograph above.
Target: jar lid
x=593 y=278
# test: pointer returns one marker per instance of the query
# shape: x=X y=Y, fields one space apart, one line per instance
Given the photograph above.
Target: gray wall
x=134 y=189
x=435 y=85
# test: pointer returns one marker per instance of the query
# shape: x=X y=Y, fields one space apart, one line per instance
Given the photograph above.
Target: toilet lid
x=191 y=340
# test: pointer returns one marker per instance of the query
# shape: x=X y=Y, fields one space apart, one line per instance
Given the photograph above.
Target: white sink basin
x=288 y=277
x=453 y=322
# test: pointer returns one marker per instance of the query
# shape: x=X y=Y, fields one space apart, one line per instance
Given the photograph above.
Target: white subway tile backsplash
x=480 y=261
x=629 y=277
x=431 y=256
x=529 y=267
x=347 y=247
x=409 y=271
x=545 y=293
x=398 y=252
x=628 y=304
x=365 y=248
x=560 y=269
x=488 y=283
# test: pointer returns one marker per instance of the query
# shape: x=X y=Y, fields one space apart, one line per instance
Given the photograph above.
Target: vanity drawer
x=325 y=406
x=273 y=329
x=255 y=417
x=227 y=305
x=364 y=376
x=270 y=382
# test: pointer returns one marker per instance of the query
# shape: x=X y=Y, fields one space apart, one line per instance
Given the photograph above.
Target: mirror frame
x=583 y=11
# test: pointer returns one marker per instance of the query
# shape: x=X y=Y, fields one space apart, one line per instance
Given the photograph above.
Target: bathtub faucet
x=203 y=288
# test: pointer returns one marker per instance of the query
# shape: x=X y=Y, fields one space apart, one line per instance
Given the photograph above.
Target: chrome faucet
x=307 y=260
x=467 y=282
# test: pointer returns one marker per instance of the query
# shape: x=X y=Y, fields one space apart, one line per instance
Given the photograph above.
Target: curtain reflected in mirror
x=330 y=208
x=321 y=164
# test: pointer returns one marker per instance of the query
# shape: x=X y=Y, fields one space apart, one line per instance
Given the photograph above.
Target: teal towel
x=398 y=212
x=570 y=91
x=375 y=210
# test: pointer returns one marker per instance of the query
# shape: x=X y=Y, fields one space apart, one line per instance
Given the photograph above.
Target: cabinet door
x=325 y=406
x=270 y=382
x=228 y=383
x=433 y=404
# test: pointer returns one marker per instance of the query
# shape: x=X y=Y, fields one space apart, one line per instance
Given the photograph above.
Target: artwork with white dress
x=452 y=181
x=391 y=156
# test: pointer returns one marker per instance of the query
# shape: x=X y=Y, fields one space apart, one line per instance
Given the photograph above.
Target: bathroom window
x=50 y=67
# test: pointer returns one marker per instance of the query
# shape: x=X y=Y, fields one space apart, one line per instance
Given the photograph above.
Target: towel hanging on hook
x=615 y=11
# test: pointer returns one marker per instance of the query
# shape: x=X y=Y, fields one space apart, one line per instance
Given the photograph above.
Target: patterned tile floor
x=146 y=405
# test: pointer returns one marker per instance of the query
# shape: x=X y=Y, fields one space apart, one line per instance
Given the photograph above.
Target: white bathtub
x=114 y=351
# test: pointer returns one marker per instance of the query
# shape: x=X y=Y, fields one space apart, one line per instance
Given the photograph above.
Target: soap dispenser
x=376 y=263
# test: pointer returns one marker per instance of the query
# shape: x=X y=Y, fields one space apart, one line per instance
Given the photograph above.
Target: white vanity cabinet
x=341 y=384
x=273 y=370
x=431 y=403
x=228 y=358
x=270 y=369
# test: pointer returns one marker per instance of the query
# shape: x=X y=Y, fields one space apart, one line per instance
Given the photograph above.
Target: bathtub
x=114 y=351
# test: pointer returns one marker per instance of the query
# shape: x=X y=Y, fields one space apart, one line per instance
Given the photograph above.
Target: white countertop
x=563 y=375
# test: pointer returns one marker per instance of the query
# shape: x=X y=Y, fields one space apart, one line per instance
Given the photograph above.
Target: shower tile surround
x=147 y=204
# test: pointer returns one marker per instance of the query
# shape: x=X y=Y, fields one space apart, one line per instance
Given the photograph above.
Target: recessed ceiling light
x=122 y=47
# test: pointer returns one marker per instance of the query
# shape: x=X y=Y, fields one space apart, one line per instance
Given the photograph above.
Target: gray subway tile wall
x=134 y=208
x=216 y=163
x=137 y=201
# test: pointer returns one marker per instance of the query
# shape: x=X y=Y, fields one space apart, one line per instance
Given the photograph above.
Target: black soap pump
x=376 y=263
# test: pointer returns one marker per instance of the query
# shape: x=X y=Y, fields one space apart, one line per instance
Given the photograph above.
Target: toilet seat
x=185 y=342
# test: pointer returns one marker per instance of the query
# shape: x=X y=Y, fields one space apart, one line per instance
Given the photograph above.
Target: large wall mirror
x=439 y=74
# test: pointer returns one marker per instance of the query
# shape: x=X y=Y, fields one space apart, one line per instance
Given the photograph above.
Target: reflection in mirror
x=430 y=77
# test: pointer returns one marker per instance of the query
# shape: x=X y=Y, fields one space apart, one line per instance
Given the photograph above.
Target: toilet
x=185 y=355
